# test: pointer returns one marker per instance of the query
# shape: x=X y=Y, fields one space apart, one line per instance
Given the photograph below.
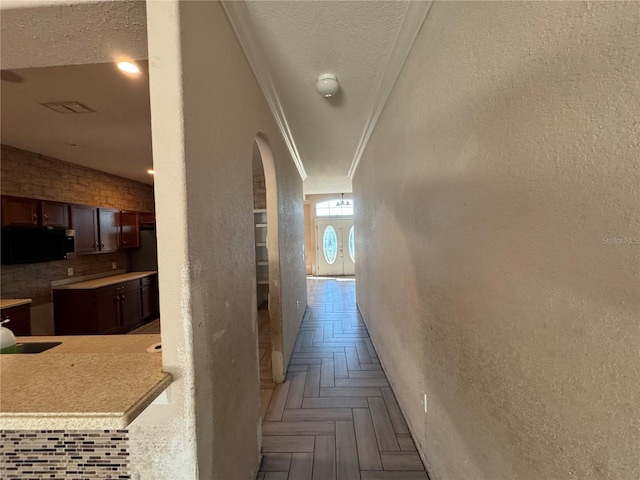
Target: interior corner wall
x=498 y=216
x=206 y=111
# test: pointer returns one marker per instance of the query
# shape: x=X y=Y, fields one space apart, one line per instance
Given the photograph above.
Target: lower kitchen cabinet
x=19 y=319
x=106 y=310
x=149 y=298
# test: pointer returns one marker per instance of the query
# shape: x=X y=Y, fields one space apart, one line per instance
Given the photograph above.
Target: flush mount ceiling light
x=129 y=67
x=327 y=85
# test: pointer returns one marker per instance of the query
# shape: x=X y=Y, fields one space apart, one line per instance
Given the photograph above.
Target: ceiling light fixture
x=128 y=67
x=151 y=172
x=327 y=85
x=342 y=203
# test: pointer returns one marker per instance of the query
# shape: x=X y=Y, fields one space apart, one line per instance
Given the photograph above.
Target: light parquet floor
x=335 y=417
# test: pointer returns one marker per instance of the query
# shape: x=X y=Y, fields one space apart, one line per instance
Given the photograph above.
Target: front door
x=335 y=244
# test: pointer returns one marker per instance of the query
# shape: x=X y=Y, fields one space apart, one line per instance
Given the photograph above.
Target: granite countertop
x=104 y=281
x=14 y=302
x=97 y=382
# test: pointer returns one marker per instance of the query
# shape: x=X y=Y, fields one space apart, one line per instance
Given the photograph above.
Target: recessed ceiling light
x=151 y=172
x=128 y=67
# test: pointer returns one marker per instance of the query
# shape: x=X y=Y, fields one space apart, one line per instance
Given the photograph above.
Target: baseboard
x=411 y=430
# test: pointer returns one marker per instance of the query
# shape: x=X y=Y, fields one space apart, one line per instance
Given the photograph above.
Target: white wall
x=206 y=111
x=502 y=167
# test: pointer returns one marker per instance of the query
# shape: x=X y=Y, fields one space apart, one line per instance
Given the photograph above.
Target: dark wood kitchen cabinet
x=19 y=319
x=97 y=229
x=118 y=307
x=149 y=298
x=31 y=212
x=84 y=220
x=129 y=229
x=55 y=214
x=19 y=212
x=111 y=309
x=147 y=219
x=109 y=229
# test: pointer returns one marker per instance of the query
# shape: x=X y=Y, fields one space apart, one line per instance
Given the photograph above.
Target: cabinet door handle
x=35 y=218
x=46 y=217
x=124 y=242
x=123 y=296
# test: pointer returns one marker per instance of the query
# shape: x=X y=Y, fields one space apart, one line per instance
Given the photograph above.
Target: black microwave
x=33 y=245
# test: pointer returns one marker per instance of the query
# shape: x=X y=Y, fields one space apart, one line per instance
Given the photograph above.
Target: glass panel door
x=334 y=240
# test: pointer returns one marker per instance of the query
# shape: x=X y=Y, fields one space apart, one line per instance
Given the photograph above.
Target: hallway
x=335 y=417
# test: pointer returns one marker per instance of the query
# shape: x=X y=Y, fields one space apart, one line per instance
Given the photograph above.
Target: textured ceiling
x=116 y=138
x=300 y=40
x=304 y=39
x=49 y=33
x=294 y=41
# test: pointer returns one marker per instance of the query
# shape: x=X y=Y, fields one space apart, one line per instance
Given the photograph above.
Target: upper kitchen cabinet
x=97 y=229
x=129 y=230
x=55 y=214
x=147 y=219
x=84 y=220
x=17 y=211
x=31 y=212
x=109 y=222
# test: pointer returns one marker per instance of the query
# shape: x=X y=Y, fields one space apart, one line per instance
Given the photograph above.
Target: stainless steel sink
x=35 y=347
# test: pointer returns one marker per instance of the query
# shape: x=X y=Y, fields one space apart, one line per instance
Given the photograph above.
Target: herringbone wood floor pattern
x=335 y=417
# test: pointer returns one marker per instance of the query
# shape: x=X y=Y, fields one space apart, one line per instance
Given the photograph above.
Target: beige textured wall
x=498 y=215
x=206 y=111
x=27 y=174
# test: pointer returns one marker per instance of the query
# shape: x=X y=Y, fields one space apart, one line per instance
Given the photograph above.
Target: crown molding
x=238 y=16
x=414 y=18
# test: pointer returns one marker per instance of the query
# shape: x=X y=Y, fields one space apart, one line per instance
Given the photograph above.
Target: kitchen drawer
x=145 y=281
x=113 y=290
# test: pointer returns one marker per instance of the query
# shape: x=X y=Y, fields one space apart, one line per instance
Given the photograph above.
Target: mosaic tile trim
x=64 y=454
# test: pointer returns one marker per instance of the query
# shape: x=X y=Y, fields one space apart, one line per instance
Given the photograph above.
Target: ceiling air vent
x=67 y=107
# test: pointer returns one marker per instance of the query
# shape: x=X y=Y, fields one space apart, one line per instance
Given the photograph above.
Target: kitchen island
x=85 y=383
x=107 y=305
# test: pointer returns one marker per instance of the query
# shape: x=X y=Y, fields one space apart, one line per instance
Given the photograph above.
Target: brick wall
x=27 y=174
x=259 y=192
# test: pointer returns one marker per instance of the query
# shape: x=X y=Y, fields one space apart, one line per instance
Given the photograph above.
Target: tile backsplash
x=64 y=454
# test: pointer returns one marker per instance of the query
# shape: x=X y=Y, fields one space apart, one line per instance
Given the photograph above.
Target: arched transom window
x=333 y=208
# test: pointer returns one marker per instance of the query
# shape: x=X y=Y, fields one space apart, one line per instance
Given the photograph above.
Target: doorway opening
x=331 y=235
x=336 y=246
x=268 y=294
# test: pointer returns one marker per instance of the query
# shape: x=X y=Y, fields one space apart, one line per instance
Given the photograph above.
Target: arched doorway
x=268 y=292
